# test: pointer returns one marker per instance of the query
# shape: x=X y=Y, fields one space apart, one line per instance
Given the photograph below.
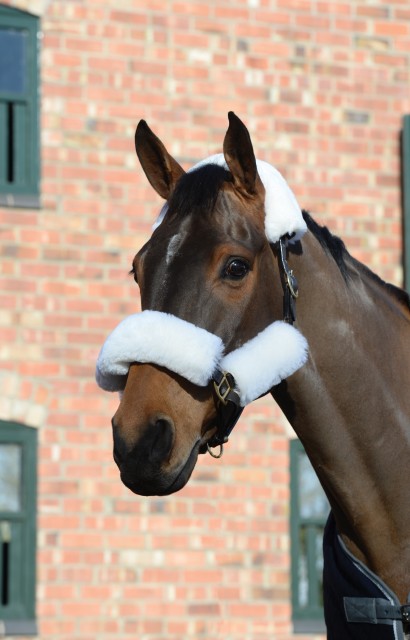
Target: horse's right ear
x=159 y=166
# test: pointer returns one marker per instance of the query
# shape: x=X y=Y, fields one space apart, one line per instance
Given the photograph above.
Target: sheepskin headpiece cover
x=194 y=353
x=282 y=212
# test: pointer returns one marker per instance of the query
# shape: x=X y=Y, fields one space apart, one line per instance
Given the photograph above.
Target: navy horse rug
x=358 y=605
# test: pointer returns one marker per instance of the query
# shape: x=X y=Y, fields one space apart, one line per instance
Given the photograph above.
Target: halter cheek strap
x=289 y=283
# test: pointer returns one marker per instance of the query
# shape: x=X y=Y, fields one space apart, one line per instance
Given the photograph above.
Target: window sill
x=309 y=626
x=24 y=201
x=18 y=628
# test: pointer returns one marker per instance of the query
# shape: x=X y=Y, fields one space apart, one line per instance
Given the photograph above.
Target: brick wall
x=322 y=87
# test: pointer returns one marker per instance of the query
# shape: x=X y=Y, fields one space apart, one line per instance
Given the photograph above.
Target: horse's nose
x=154 y=446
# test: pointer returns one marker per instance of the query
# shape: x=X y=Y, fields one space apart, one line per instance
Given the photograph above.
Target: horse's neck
x=350 y=407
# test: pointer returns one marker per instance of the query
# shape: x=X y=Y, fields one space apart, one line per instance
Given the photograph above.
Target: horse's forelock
x=197 y=191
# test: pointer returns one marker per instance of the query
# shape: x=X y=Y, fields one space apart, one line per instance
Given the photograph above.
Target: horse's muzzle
x=145 y=466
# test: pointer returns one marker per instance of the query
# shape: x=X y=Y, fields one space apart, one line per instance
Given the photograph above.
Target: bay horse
x=221 y=306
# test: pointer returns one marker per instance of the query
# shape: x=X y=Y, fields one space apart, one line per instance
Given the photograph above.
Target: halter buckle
x=290 y=278
x=223 y=387
x=292 y=283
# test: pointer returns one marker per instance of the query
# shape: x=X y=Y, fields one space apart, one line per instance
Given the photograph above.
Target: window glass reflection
x=312 y=500
x=13 y=61
x=310 y=567
x=10 y=477
x=303 y=576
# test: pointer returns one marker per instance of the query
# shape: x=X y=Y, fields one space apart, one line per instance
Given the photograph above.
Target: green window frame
x=308 y=515
x=19 y=109
x=405 y=165
x=18 y=499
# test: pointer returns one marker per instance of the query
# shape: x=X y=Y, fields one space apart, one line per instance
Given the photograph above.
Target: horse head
x=211 y=285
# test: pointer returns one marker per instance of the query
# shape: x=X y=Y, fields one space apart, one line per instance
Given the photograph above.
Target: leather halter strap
x=289 y=282
x=229 y=410
x=228 y=405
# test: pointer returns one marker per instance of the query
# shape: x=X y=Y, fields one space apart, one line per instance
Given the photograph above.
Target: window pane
x=319 y=565
x=10 y=477
x=310 y=567
x=303 y=577
x=312 y=500
x=13 y=61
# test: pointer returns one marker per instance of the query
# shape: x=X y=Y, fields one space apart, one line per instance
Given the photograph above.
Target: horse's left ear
x=161 y=169
x=239 y=156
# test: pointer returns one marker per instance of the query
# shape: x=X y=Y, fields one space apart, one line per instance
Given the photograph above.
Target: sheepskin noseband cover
x=194 y=353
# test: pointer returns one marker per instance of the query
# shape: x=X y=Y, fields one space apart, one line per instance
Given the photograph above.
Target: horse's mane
x=337 y=249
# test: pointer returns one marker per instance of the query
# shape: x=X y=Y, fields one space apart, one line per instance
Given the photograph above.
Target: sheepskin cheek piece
x=194 y=353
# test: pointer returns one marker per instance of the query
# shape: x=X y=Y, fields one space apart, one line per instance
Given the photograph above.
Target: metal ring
x=214 y=455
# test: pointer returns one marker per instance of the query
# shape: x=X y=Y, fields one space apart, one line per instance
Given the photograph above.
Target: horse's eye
x=236 y=269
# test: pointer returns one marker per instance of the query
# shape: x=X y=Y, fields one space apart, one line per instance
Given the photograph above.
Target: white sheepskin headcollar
x=283 y=215
x=194 y=353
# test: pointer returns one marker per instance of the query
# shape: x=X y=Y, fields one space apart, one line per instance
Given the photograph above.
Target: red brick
x=399 y=29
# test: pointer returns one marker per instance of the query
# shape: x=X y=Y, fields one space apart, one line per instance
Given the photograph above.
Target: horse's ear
x=159 y=166
x=239 y=155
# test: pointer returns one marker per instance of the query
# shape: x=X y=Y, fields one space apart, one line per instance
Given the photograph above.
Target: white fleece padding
x=282 y=212
x=194 y=353
x=162 y=339
x=261 y=363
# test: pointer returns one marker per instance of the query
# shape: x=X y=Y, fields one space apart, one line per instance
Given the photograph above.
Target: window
x=19 y=113
x=309 y=512
x=406 y=198
x=18 y=457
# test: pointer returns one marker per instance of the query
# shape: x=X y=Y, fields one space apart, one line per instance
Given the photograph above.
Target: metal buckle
x=291 y=282
x=223 y=388
x=290 y=278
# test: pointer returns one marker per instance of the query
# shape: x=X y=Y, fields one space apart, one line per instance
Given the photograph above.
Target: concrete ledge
x=24 y=201
x=18 y=628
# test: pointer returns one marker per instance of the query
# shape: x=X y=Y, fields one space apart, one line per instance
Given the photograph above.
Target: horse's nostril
x=161 y=435
x=153 y=447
